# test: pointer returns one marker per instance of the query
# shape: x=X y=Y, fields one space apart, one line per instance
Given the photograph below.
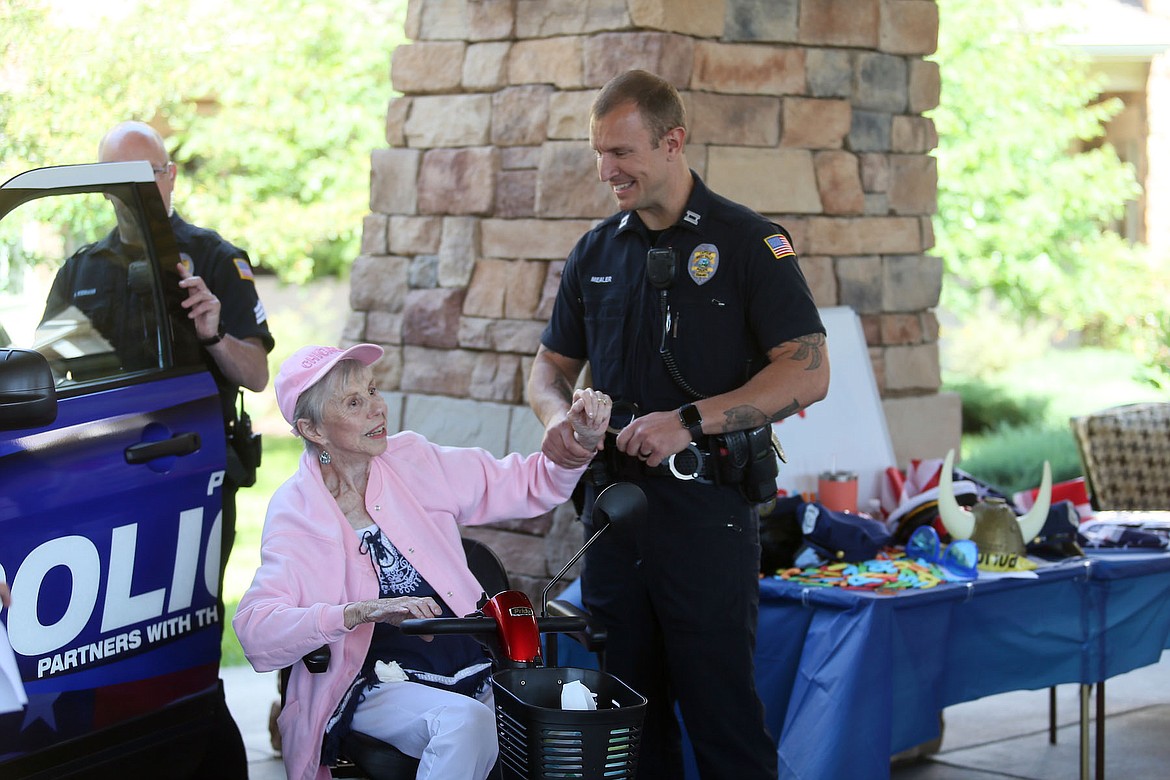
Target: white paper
x=575 y=696
x=12 y=695
x=389 y=672
x=847 y=430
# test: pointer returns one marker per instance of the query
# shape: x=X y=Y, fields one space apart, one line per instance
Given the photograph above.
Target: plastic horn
x=1033 y=521
x=959 y=522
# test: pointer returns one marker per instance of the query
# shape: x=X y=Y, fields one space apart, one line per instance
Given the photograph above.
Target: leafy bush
x=1018 y=216
x=1011 y=458
x=1015 y=419
x=987 y=406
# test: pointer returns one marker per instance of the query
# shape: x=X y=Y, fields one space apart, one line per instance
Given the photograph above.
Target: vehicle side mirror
x=28 y=392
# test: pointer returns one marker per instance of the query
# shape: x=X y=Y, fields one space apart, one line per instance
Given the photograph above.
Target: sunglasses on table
x=959 y=561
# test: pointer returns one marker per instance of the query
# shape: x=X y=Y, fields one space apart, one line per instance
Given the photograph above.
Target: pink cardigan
x=310 y=566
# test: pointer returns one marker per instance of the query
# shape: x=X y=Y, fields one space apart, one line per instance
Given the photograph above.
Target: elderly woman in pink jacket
x=365 y=535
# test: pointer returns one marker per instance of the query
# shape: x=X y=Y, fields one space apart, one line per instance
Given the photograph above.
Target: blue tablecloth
x=850 y=678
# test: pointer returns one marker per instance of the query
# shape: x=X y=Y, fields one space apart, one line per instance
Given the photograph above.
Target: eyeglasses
x=161 y=171
x=959 y=561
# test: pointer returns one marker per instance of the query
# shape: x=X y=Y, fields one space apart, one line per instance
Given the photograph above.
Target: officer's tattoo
x=805 y=349
x=810 y=350
x=740 y=418
x=744 y=417
x=787 y=411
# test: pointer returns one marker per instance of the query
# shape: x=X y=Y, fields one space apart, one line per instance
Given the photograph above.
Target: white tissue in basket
x=575 y=696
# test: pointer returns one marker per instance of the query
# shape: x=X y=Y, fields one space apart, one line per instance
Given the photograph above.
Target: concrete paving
x=1004 y=736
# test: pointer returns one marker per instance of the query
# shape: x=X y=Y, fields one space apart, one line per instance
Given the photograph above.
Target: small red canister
x=837 y=490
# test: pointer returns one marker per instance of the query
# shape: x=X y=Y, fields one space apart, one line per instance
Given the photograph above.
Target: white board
x=845 y=431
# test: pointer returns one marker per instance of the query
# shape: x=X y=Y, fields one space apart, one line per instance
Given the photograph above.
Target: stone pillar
x=809 y=111
x=1157 y=181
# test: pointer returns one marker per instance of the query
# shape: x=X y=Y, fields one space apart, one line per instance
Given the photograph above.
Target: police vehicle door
x=110 y=501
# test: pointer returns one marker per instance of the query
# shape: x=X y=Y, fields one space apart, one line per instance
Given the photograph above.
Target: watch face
x=690 y=416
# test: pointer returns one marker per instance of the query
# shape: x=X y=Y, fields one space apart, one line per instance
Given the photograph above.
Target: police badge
x=703 y=263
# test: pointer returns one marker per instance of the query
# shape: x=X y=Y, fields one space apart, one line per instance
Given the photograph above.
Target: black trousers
x=679 y=596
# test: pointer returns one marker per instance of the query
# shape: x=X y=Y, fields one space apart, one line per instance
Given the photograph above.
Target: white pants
x=452 y=735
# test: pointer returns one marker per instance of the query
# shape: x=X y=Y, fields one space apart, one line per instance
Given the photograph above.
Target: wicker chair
x=1126 y=454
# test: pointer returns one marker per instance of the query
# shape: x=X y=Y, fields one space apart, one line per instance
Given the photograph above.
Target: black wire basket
x=541 y=741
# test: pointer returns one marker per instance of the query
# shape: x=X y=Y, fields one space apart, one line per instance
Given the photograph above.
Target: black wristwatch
x=212 y=341
x=690 y=418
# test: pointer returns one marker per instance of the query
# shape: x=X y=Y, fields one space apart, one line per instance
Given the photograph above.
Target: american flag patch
x=780 y=246
x=245 y=269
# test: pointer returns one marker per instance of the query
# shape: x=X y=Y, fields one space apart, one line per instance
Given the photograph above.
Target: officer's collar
x=698 y=204
x=113 y=244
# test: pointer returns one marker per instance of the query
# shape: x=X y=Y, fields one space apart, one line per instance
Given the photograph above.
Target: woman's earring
x=325 y=458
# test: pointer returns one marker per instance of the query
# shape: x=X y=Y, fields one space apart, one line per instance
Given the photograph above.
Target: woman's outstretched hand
x=392 y=611
x=589 y=416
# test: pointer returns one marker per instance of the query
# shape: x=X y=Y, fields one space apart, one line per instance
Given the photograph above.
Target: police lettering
x=121 y=606
x=95 y=651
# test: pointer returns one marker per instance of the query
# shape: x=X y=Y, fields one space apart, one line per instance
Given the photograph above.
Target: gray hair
x=311 y=403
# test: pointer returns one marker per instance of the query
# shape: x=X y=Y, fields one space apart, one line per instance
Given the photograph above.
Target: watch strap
x=688 y=415
x=213 y=340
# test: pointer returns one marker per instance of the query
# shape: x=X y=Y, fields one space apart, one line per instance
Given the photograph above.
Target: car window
x=80 y=286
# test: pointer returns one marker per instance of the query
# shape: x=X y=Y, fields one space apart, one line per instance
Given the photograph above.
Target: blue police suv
x=111 y=461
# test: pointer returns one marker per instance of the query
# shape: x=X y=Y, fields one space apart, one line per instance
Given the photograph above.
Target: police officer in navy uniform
x=225 y=311
x=693 y=314
x=222 y=303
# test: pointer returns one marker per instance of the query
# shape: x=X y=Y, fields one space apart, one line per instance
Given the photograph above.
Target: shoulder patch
x=245 y=269
x=779 y=246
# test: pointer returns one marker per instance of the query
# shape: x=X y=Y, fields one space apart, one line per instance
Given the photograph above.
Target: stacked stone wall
x=1157 y=181
x=809 y=111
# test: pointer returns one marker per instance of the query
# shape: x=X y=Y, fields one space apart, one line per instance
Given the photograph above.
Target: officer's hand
x=654 y=437
x=202 y=307
x=561 y=447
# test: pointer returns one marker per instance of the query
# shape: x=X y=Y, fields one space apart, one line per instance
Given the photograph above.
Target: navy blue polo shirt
x=95 y=280
x=229 y=275
x=738 y=291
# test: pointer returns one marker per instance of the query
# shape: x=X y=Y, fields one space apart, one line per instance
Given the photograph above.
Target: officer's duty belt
x=692 y=463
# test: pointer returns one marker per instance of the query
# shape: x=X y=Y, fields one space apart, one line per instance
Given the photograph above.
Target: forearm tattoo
x=742 y=417
x=808 y=350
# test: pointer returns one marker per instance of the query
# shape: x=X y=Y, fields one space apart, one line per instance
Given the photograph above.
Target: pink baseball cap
x=308 y=365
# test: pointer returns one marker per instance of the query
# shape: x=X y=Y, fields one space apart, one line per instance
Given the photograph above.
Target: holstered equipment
x=745 y=459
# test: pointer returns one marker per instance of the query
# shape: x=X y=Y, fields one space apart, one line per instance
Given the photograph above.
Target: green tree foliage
x=270 y=108
x=1022 y=216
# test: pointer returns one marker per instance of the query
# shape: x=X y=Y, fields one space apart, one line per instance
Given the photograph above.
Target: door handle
x=179 y=444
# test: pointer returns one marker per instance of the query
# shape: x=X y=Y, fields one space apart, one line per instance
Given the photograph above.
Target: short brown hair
x=657 y=100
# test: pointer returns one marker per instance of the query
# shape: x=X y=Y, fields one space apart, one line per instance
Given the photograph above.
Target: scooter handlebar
x=452 y=625
x=485 y=625
x=560 y=625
